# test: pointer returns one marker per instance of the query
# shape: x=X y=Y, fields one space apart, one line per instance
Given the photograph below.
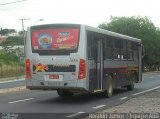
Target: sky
x=89 y=12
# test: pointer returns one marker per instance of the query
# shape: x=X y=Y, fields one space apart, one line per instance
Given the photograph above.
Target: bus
x=73 y=58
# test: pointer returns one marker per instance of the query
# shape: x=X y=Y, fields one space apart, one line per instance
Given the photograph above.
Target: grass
x=8 y=72
x=11 y=78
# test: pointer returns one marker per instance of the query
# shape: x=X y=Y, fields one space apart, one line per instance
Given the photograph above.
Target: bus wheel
x=109 y=91
x=64 y=93
x=130 y=87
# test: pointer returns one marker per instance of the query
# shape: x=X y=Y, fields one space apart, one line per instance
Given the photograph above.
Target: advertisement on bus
x=55 y=39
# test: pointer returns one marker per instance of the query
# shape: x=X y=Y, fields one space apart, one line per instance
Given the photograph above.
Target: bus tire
x=109 y=91
x=130 y=87
x=64 y=93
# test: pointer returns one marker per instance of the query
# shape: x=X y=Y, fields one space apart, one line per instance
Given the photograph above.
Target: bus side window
x=90 y=46
x=136 y=50
x=130 y=50
x=118 y=45
x=124 y=50
x=108 y=47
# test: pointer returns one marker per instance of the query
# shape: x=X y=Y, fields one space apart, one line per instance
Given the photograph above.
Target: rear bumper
x=72 y=89
x=53 y=85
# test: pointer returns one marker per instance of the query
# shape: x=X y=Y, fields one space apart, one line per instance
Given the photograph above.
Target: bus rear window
x=55 y=40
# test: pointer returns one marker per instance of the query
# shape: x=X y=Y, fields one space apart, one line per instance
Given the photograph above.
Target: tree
x=8 y=58
x=141 y=28
x=1 y=31
x=7 y=31
x=11 y=41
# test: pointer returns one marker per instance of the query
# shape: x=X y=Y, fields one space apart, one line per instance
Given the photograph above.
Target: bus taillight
x=82 y=69
x=28 y=69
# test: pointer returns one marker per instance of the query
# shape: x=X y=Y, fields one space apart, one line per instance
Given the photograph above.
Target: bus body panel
x=98 y=69
x=65 y=66
x=122 y=70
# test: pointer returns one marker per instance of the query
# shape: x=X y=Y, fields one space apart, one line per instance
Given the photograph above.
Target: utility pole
x=23 y=25
x=23 y=19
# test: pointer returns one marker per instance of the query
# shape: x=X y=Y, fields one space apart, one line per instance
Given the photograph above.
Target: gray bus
x=73 y=58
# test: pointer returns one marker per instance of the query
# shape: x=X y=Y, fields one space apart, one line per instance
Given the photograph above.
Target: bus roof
x=110 y=33
x=98 y=30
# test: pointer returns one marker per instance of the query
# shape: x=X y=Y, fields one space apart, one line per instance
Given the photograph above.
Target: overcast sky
x=90 y=12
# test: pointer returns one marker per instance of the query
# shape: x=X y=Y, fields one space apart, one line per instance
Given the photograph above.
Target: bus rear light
x=28 y=69
x=82 y=69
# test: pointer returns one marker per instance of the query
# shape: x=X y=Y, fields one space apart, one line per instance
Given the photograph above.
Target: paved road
x=49 y=102
x=12 y=83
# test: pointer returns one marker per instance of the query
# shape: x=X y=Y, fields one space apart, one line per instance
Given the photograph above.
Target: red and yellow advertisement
x=54 y=39
x=40 y=67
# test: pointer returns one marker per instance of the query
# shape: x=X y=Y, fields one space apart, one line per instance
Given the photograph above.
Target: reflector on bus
x=82 y=69
x=28 y=69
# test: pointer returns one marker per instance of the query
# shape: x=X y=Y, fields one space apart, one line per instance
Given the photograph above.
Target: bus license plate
x=55 y=76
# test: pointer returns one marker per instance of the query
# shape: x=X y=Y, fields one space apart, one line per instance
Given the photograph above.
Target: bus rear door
x=99 y=64
x=95 y=62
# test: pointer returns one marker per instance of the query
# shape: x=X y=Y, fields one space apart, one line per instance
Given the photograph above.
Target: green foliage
x=8 y=58
x=141 y=28
x=132 y=26
x=6 y=31
x=11 y=41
